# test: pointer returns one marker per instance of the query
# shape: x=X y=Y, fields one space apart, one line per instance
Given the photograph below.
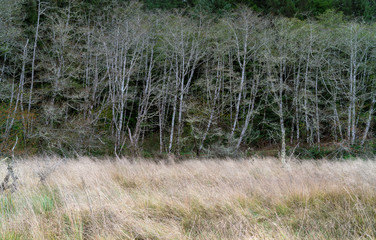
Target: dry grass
x=248 y=199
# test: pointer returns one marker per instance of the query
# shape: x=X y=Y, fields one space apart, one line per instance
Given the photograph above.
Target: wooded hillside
x=211 y=78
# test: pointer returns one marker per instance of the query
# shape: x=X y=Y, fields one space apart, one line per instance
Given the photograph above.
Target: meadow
x=194 y=199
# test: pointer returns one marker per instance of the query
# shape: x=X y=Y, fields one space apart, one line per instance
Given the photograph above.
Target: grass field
x=195 y=199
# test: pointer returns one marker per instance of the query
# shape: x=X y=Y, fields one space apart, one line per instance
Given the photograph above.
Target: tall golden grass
x=195 y=199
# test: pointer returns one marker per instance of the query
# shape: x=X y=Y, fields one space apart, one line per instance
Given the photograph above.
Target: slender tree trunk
x=250 y=111
x=162 y=107
x=3 y=68
x=281 y=118
x=212 y=112
x=369 y=120
x=174 y=108
x=337 y=119
x=317 y=111
x=172 y=124
x=237 y=110
x=349 y=113
x=180 y=114
x=20 y=92
x=353 y=102
x=33 y=67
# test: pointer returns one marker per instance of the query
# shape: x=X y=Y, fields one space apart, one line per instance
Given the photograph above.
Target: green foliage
x=289 y=8
x=164 y=4
x=312 y=152
x=12 y=235
x=46 y=200
x=7 y=206
x=30 y=9
x=368 y=150
x=331 y=152
x=214 y=6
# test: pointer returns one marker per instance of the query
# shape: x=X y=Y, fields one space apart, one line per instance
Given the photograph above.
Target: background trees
x=79 y=79
x=289 y=8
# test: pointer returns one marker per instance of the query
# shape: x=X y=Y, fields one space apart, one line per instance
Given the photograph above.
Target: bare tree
x=40 y=12
x=244 y=30
x=278 y=54
x=19 y=95
x=183 y=41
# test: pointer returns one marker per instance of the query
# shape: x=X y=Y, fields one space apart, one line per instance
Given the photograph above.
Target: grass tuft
x=7 y=206
x=45 y=200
